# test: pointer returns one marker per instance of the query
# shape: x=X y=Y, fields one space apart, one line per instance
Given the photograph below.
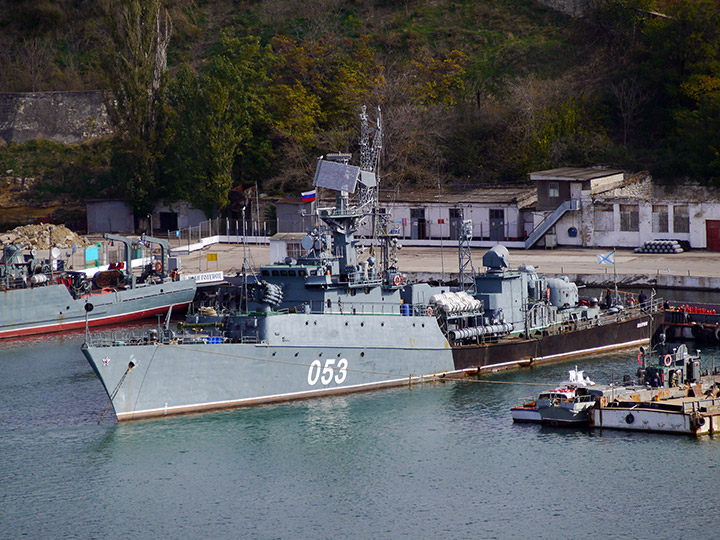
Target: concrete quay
x=693 y=270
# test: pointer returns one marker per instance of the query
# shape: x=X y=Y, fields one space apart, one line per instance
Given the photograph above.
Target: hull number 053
x=332 y=371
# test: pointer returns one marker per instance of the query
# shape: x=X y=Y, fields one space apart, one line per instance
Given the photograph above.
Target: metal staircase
x=551 y=220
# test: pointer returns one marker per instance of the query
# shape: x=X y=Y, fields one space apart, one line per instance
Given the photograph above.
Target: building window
x=553 y=190
x=629 y=218
x=604 y=217
x=294 y=250
x=660 y=218
x=681 y=219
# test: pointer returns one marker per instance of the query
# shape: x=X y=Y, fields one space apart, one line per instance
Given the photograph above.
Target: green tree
x=212 y=116
x=681 y=64
x=438 y=80
x=135 y=68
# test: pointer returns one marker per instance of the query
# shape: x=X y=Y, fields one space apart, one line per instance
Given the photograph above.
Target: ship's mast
x=467 y=272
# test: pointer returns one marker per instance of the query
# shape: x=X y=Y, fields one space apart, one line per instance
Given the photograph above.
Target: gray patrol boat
x=329 y=323
x=36 y=299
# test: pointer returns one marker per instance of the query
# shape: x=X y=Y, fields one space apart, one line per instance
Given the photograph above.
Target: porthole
x=362 y=354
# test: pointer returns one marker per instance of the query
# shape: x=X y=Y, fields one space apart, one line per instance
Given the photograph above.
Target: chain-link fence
x=228 y=230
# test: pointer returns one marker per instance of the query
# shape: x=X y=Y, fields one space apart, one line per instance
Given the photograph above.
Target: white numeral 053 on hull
x=332 y=371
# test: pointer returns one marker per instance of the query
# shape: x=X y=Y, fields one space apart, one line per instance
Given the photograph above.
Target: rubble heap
x=43 y=236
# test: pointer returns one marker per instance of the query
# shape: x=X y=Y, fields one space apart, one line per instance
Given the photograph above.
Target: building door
x=456 y=219
x=575 y=190
x=712 y=230
x=497 y=225
x=168 y=221
x=417 y=223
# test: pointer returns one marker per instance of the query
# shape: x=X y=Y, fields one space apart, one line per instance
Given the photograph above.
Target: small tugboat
x=678 y=398
x=565 y=405
x=36 y=299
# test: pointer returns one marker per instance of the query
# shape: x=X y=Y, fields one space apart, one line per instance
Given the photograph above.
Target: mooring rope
x=114 y=393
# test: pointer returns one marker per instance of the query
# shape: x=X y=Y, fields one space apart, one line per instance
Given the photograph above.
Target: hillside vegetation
x=470 y=91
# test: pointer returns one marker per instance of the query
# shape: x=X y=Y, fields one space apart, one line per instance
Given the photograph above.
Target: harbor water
x=442 y=460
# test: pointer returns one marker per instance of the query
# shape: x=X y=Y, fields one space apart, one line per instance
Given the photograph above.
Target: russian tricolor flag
x=308 y=196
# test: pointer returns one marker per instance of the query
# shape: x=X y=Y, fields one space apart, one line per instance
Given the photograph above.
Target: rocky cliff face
x=18 y=206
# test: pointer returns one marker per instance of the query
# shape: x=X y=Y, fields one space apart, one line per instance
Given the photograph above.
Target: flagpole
x=615 y=274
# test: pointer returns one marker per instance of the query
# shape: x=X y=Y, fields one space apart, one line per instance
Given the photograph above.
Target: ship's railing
x=700 y=405
x=361 y=279
x=339 y=307
x=605 y=317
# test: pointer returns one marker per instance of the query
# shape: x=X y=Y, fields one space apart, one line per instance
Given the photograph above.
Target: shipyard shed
x=293 y=215
x=606 y=208
x=116 y=215
x=498 y=213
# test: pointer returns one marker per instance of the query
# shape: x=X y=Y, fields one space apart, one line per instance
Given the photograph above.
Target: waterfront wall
x=63 y=117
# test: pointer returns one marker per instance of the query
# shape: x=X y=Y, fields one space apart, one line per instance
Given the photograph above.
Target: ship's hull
x=525 y=414
x=304 y=356
x=568 y=344
x=565 y=416
x=52 y=308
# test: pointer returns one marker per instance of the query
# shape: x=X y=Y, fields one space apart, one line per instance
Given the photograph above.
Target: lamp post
x=151 y=224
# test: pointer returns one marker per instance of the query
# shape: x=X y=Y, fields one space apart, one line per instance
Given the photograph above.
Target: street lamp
x=151 y=223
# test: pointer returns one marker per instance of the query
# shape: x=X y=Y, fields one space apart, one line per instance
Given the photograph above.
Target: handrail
x=550 y=220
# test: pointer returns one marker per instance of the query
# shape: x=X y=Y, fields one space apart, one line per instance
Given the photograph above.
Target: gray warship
x=36 y=299
x=329 y=323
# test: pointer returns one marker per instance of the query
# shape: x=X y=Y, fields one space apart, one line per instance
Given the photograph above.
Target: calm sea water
x=442 y=460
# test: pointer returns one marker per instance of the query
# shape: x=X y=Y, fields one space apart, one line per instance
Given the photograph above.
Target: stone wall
x=64 y=117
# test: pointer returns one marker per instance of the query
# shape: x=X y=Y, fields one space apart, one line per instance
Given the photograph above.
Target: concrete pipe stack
x=660 y=246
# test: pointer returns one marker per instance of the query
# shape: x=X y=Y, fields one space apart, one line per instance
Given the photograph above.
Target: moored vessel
x=35 y=299
x=332 y=321
x=678 y=398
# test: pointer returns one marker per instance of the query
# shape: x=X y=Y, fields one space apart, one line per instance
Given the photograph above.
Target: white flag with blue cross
x=606 y=259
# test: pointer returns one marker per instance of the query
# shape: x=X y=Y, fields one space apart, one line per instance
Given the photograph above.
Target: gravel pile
x=39 y=236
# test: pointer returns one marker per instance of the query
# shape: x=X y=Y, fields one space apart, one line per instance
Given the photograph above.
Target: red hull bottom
x=99 y=321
